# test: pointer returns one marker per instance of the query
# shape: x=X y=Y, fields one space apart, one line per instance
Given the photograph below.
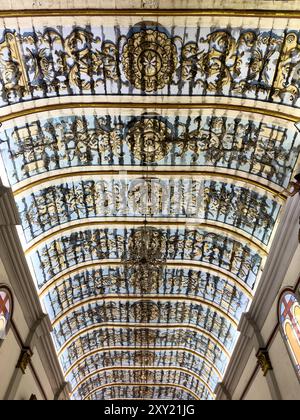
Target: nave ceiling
x=150 y=158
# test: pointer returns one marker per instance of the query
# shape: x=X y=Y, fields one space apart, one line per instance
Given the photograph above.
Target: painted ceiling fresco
x=147 y=230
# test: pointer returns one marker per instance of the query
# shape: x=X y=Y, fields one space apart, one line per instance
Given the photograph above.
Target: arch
x=65 y=175
x=222 y=65
x=128 y=105
x=236 y=172
x=289 y=320
x=275 y=14
x=117 y=263
x=6 y=310
x=84 y=225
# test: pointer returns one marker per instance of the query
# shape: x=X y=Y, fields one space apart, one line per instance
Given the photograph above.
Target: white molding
x=150 y=4
x=8 y=212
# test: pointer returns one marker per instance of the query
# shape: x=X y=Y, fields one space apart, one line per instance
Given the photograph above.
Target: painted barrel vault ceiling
x=150 y=158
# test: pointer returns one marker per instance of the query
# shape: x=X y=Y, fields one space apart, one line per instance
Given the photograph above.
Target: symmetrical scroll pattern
x=182 y=244
x=142 y=392
x=207 y=201
x=268 y=151
x=190 y=341
x=147 y=232
x=116 y=281
x=140 y=377
x=150 y=59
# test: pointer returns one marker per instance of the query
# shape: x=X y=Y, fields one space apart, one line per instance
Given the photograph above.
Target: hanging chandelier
x=146 y=251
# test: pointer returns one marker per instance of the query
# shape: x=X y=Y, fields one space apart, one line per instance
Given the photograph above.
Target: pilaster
x=40 y=328
x=249 y=328
x=20 y=278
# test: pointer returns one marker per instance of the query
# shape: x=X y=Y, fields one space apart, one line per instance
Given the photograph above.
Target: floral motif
x=150 y=139
x=149 y=60
x=145 y=311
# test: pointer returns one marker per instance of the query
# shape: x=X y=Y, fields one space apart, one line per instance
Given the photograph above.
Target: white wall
x=9 y=355
x=284 y=372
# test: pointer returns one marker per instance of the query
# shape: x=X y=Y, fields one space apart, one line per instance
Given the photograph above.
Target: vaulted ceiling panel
x=91 y=56
x=150 y=159
x=164 y=140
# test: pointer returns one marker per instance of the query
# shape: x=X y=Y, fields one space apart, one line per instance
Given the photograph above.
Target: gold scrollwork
x=146 y=358
x=288 y=73
x=12 y=67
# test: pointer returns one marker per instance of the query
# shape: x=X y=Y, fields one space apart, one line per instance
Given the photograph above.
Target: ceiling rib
x=274 y=14
x=144 y=106
x=66 y=175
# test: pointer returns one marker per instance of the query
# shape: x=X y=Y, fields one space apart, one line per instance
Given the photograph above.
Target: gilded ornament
x=145 y=280
x=143 y=392
x=144 y=358
x=144 y=376
x=146 y=247
x=144 y=311
x=24 y=359
x=263 y=360
x=149 y=139
x=286 y=85
x=149 y=60
x=13 y=71
x=145 y=336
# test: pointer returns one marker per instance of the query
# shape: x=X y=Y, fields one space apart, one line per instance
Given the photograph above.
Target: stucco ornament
x=149 y=60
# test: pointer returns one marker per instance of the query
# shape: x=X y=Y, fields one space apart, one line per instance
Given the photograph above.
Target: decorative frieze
x=150 y=59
